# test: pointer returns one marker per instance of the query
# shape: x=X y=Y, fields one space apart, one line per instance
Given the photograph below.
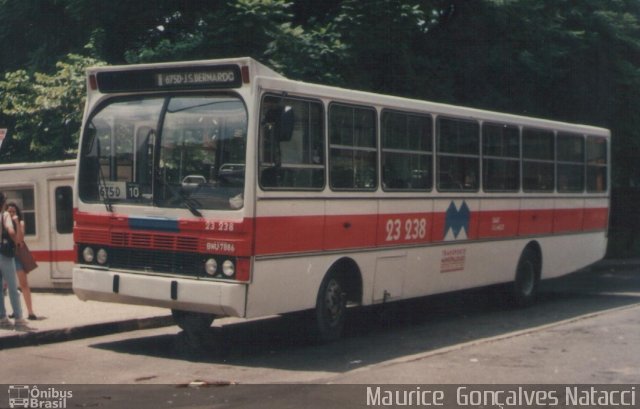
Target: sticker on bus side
x=456 y=225
x=453 y=260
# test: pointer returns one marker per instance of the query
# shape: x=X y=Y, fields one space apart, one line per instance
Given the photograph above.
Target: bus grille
x=157 y=261
x=157 y=241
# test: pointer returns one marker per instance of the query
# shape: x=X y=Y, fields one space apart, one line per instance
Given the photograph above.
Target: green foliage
x=558 y=59
x=45 y=110
x=383 y=39
x=34 y=34
x=307 y=55
x=238 y=28
x=262 y=29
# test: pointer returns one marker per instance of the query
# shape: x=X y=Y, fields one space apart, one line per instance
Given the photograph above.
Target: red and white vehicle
x=44 y=192
x=220 y=188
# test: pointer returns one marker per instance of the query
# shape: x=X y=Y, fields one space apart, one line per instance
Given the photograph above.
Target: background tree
x=45 y=110
x=557 y=59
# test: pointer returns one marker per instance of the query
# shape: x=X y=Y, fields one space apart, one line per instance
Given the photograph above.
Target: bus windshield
x=173 y=151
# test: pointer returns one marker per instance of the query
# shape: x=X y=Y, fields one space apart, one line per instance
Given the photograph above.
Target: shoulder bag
x=23 y=254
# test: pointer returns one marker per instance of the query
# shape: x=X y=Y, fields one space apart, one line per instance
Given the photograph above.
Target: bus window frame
x=430 y=154
x=34 y=211
x=456 y=155
x=566 y=162
x=599 y=166
x=525 y=160
x=367 y=150
x=324 y=136
x=504 y=158
x=61 y=213
x=165 y=96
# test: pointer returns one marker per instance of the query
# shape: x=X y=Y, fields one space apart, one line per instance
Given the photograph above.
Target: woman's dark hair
x=3 y=199
x=15 y=206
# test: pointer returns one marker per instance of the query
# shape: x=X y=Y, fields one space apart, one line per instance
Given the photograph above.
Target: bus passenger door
x=61 y=228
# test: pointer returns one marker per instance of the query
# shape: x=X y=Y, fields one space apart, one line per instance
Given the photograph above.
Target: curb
x=23 y=339
x=614 y=262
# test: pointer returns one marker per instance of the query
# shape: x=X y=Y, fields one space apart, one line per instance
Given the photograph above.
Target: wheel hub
x=333 y=301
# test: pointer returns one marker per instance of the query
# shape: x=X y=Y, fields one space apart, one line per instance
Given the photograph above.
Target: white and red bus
x=220 y=188
x=44 y=192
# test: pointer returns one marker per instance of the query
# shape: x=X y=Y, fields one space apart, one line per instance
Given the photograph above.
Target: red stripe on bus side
x=47 y=256
x=281 y=234
x=299 y=234
x=498 y=224
x=595 y=219
x=533 y=222
x=306 y=234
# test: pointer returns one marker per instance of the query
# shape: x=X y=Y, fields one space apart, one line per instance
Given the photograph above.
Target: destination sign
x=223 y=76
x=196 y=78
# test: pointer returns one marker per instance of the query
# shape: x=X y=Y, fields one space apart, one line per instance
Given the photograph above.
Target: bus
x=19 y=396
x=222 y=189
x=44 y=193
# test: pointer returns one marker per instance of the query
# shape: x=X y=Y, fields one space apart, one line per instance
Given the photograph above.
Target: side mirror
x=285 y=129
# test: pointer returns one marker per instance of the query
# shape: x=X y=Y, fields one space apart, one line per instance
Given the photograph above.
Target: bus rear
x=164 y=187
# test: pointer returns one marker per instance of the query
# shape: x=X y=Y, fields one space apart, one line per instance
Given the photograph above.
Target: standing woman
x=8 y=269
x=16 y=214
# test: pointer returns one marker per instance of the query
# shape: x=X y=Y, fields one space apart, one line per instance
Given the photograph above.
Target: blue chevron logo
x=456 y=223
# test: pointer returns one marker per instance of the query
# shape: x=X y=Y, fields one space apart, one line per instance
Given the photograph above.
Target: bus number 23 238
x=409 y=229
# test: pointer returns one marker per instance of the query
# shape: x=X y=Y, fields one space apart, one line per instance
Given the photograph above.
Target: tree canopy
x=557 y=59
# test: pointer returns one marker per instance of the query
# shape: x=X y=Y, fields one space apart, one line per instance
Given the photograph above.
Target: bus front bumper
x=219 y=298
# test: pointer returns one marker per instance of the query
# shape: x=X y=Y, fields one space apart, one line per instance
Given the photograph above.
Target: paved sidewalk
x=62 y=317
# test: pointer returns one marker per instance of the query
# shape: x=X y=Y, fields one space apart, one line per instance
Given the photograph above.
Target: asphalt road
x=584 y=329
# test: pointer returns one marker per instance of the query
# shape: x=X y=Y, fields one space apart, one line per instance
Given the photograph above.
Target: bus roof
x=274 y=80
x=37 y=165
x=256 y=67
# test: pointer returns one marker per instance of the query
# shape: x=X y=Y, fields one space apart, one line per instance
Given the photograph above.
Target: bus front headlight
x=101 y=256
x=211 y=267
x=88 y=255
x=228 y=268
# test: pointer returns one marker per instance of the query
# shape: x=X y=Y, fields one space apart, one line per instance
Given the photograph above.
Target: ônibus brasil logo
x=25 y=396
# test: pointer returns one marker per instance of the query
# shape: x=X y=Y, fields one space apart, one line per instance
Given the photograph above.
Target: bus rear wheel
x=192 y=322
x=525 y=285
x=331 y=308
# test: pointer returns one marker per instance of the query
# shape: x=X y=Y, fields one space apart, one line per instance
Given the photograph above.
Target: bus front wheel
x=192 y=322
x=331 y=308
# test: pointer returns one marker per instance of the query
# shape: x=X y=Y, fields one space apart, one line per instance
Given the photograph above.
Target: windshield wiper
x=189 y=203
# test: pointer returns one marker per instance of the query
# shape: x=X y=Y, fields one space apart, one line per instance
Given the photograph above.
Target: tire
x=192 y=322
x=525 y=285
x=331 y=308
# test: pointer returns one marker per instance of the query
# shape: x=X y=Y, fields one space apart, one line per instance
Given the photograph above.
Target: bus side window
x=570 y=162
x=64 y=209
x=291 y=144
x=25 y=199
x=596 y=164
x=406 y=151
x=501 y=157
x=458 y=159
x=538 y=153
x=353 y=147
